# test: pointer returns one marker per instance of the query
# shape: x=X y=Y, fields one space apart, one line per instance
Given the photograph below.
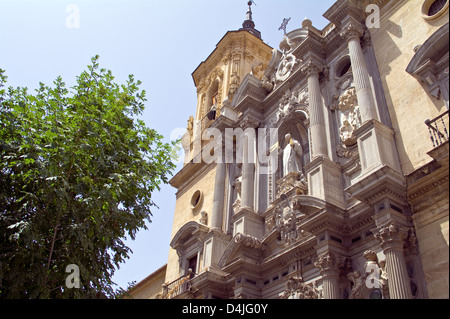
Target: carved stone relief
x=286 y=219
x=349 y=116
x=374 y=278
x=287 y=65
x=290 y=181
x=296 y=288
x=292 y=102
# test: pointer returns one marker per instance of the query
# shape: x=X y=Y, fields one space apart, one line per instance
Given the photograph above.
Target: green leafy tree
x=77 y=173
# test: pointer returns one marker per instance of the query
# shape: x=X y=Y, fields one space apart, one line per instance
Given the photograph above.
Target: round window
x=343 y=67
x=196 y=200
x=433 y=9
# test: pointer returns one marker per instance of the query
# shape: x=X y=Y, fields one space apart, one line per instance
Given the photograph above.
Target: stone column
x=352 y=33
x=317 y=121
x=328 y=266
x=219 y=194
x=391 y=238
x=248 y=174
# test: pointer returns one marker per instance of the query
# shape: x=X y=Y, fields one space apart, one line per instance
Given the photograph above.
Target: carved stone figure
x=349 y=116
x=237 y=186
x=358 y=281
x=267 y=84
x=190 y=127
x=292 y=153
x=234 y=85
x=204 y=218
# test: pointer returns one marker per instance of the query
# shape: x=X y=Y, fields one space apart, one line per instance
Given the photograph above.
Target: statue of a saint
x=292 y=153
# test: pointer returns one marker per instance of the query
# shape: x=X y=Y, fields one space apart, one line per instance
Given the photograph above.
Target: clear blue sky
x=160 y=42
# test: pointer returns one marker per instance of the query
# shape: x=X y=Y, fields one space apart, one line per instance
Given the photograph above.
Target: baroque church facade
x=347 y=197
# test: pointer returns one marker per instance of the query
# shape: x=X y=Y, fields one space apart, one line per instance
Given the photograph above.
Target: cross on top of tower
x=284 y=25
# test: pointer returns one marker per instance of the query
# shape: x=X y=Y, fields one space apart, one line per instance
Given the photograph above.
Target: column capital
x=328 y=264
x=312 y=67
x=352 y=30
x=391 y=236
x=249 y=122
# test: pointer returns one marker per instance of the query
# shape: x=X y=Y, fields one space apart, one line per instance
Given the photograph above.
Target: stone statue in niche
x=292 y=153
x=292 y=168
x=237 y=186
x=349 y=116
x=234 y=85
x=204 y=218
x=190 y=127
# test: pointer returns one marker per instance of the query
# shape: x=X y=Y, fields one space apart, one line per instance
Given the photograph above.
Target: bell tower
x=217 y=79
x=201 y=225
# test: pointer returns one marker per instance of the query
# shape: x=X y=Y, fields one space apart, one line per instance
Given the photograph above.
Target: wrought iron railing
x=438 y=129
x=178 y=286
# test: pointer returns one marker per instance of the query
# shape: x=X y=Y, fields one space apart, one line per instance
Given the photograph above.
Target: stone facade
x=361 y=209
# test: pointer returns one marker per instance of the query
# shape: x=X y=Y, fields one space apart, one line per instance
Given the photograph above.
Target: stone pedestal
x=376 y=145
x=215 y=243
x=325 y=180
x=247 y=222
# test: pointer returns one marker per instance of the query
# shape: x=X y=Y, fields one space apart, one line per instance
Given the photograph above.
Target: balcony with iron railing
x=438 y=129
x=178 y=287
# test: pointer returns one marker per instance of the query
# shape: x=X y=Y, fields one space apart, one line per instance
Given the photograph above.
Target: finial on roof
x=249 y=12
x=306 y=23
x=248 y=24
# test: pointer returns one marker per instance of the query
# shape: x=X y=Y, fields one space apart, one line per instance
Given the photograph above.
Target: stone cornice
x=432 y=184
x=384 y=182
x=190 y=173
x=342 y=9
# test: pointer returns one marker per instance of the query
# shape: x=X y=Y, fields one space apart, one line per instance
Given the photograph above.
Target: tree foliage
x=77 y=172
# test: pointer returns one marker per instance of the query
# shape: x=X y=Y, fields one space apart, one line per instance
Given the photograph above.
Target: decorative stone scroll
x=247 y=241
